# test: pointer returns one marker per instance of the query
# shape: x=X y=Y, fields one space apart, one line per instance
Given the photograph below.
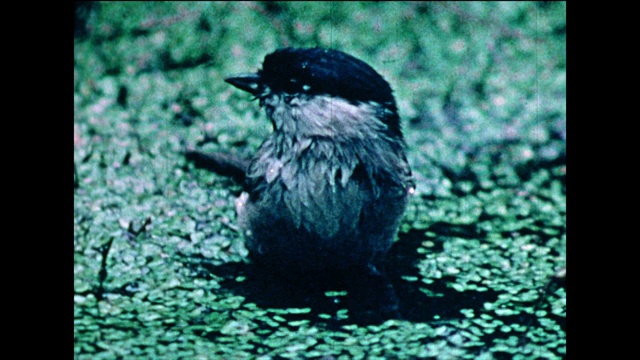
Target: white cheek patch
x=331 y=117
x=324 y=116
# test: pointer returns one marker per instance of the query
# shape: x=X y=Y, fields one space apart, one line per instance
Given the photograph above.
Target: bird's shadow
x=342 y=298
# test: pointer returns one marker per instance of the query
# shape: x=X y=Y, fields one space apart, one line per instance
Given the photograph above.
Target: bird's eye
x=295 y=85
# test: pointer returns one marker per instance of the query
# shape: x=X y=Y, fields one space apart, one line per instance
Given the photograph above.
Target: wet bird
x=327 y=188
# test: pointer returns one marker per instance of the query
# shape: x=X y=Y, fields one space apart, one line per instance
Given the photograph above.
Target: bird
x=327 y=189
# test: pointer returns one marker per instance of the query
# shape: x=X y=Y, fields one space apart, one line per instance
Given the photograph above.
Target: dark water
x=333 y=300
x=367 y=298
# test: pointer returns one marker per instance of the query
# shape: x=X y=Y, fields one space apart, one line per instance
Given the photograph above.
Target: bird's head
x=322 y=92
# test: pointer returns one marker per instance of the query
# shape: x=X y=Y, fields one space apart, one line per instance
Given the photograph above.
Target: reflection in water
x=352 y=297
x=357 y=298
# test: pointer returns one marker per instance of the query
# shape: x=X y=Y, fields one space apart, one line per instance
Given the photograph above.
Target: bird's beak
x=248 y=82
